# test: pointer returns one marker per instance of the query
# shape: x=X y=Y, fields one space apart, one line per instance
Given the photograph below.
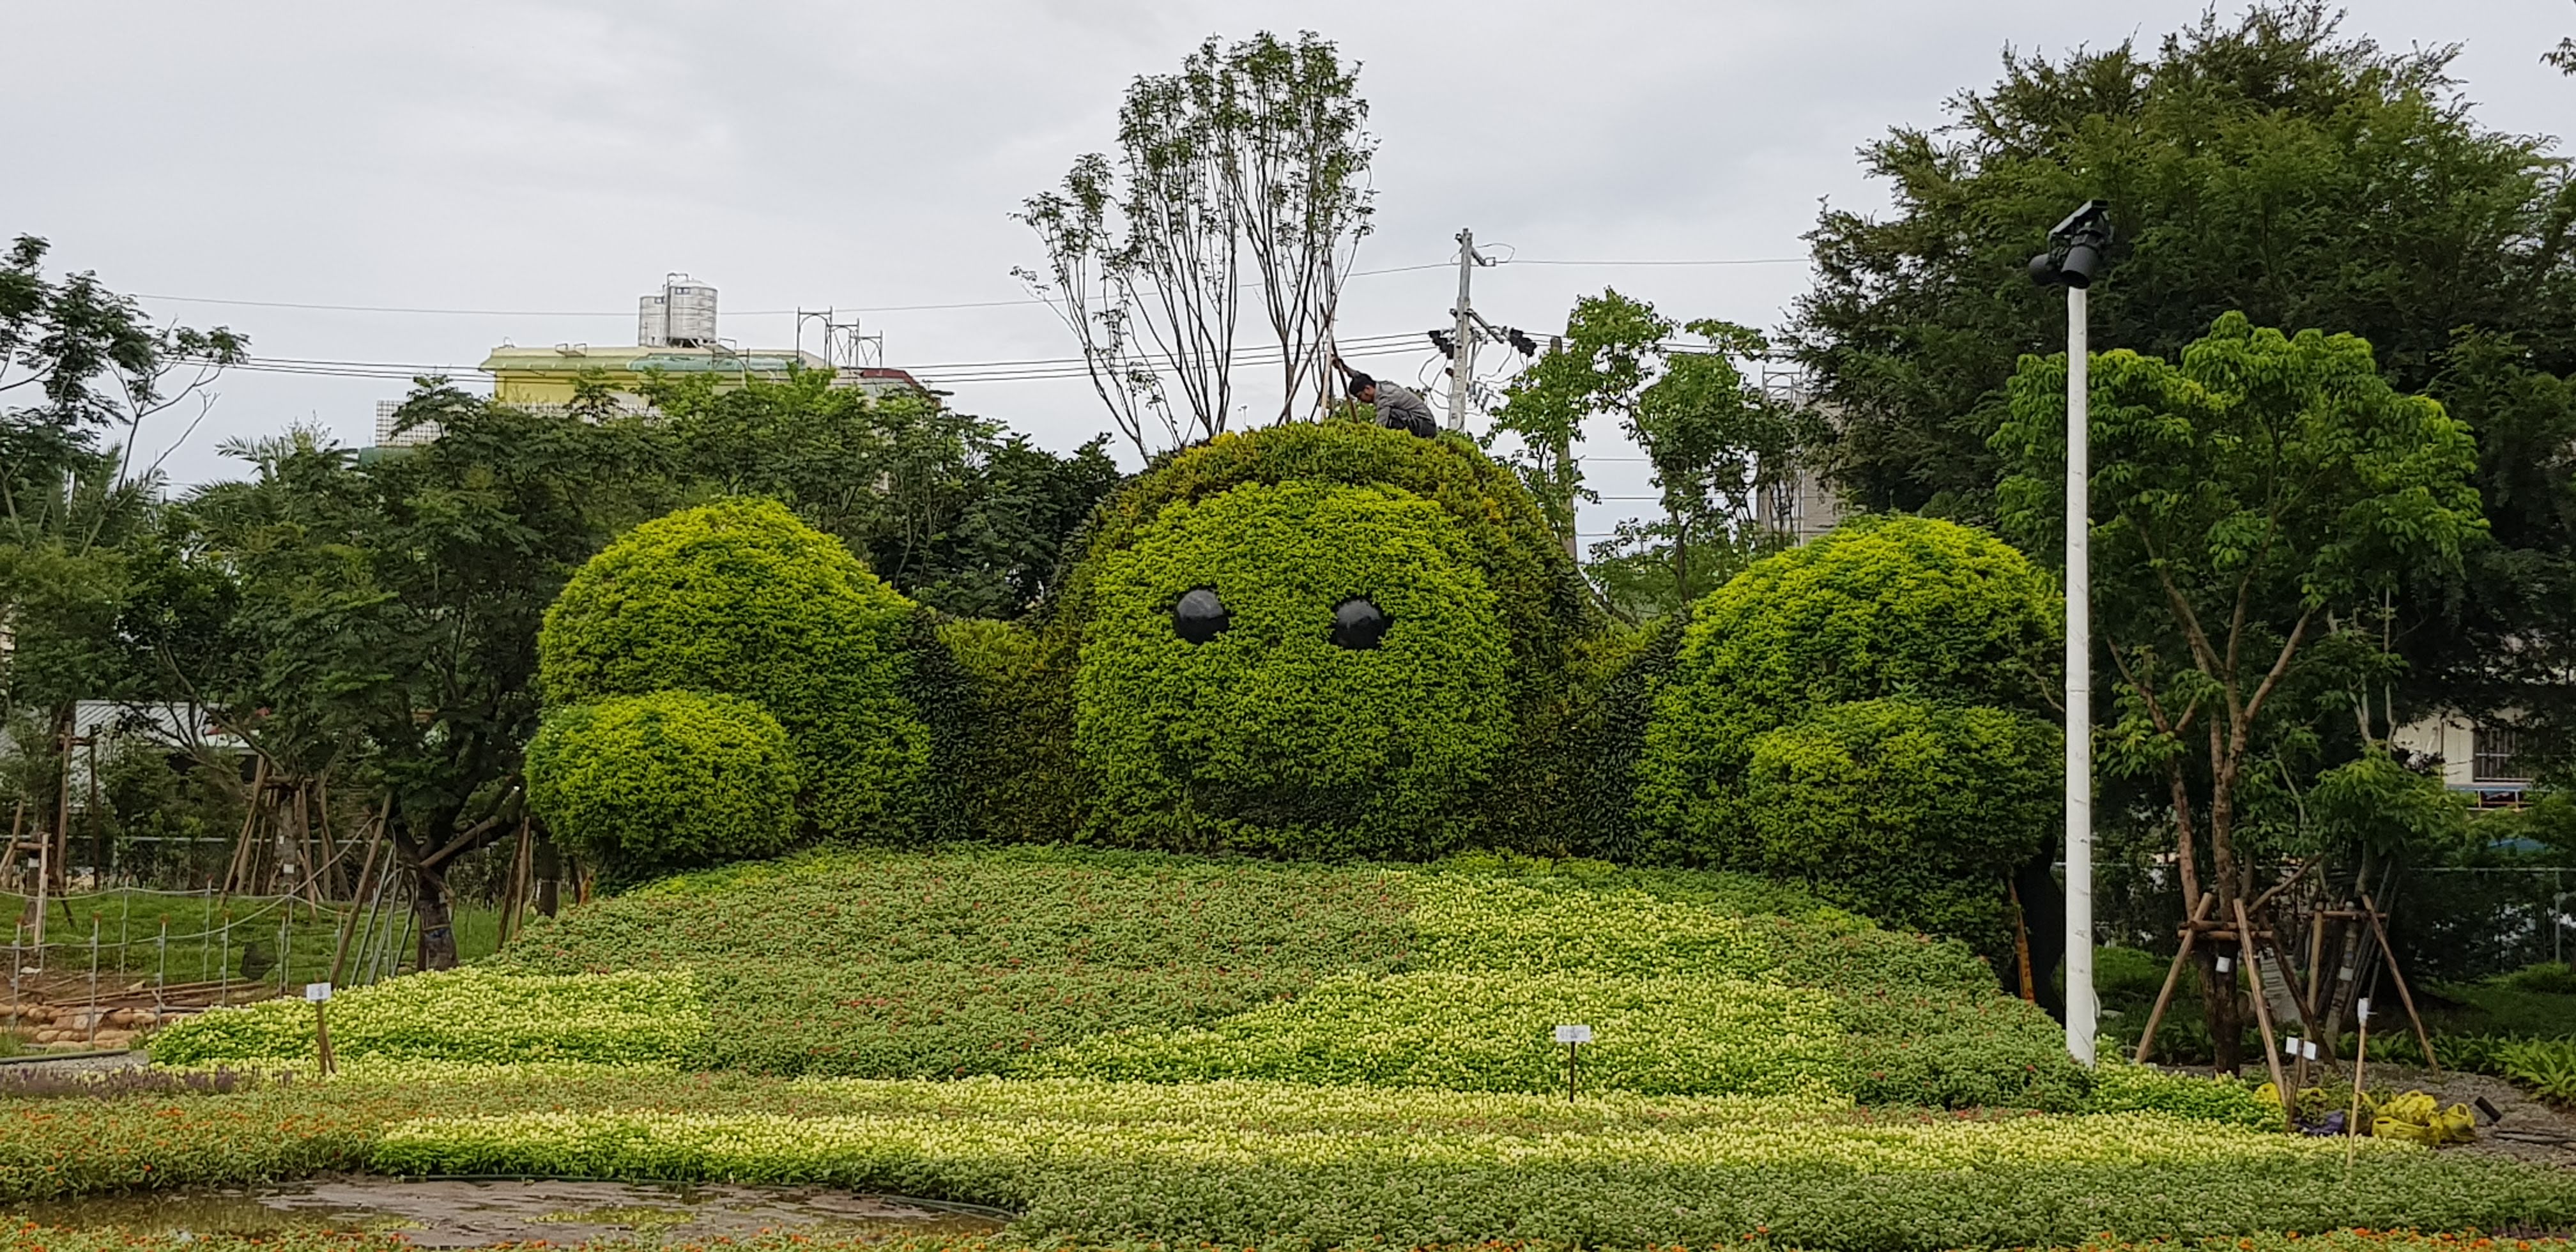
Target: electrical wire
x=888 y=308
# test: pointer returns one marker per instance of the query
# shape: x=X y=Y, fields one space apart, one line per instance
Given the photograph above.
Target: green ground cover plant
x=889 y=964
x=1281 y=1164
x=29 y=1237
x=640 y=1017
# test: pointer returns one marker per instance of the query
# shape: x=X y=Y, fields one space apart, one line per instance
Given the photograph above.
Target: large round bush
x=1881 y=607
x=664 y=781
x=740 y=598
x=1912 y=812
x=1304 y=669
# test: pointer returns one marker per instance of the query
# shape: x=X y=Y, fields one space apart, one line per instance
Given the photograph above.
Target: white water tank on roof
x=652 y=322
x=690 y=312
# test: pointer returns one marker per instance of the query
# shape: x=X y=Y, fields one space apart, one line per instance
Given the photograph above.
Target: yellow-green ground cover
x=1093 y=1161
x=1144 y=1049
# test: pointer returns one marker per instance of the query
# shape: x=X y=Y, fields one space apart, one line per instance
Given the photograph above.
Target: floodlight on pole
x=2073 y=260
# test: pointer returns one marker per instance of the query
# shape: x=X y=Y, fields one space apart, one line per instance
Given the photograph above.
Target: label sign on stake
x=317 y=992
x=2224 y=965
x=1572 y=1037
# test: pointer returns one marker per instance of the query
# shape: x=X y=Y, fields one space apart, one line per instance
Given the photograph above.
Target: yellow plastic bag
x=2418 y=1118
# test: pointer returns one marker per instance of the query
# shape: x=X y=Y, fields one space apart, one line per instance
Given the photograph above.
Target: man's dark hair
x=1360 y=382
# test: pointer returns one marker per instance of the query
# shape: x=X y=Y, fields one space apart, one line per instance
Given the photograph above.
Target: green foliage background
x=740 y=598
x=664 y=781
x=1270 y=737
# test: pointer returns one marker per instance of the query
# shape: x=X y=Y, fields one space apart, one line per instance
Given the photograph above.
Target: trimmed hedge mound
x=739 y=598
x=664 y=781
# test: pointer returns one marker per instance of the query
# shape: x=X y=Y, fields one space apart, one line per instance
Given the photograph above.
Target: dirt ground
x=2529 y=1129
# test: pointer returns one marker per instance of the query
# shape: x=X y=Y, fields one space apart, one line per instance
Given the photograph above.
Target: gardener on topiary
x=1398 y=408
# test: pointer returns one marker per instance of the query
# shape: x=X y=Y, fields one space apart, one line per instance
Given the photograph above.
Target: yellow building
x=541 y=378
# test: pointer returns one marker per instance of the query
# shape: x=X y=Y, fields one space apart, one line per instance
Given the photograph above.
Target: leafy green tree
x=2265 y=491
x=1714 y=438
x=82 y=369
x=2268 y=164
x=942 y=504
x=386 y=611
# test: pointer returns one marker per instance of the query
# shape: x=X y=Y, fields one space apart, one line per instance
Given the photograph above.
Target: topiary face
x=1304 y=668
x=740 y=598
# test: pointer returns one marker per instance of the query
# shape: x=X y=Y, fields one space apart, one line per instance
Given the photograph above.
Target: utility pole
x=1462 y=367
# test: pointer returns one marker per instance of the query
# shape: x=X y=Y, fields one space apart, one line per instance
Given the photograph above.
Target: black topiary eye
x=1358 y=624
x=1200 y=616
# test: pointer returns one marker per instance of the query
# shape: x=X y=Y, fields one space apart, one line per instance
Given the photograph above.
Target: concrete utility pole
x=1462 y=367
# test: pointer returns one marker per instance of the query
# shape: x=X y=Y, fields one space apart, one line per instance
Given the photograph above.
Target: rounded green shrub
x=1881 y=607
x=1910 y=811
x=1284 y=731
x=664 y=781
x=740 y=598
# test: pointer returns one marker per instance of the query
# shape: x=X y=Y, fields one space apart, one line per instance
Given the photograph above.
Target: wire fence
x=133 y=950
x=2463 y=924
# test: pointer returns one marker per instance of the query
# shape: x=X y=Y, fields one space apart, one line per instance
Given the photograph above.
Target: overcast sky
x=537 y=159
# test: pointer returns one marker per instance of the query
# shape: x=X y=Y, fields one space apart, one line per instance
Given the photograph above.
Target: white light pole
x=2073 y=258
x=2080 y=1008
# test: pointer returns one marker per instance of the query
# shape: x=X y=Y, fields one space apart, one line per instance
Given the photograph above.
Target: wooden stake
x=2173 y=976
x=2405 y=997
x=2352 y=1117
x=322 y=1034
x=2263 y=1016
x=2021 y=947
x=340 y=948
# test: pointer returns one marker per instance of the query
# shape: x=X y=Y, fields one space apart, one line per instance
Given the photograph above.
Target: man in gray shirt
x=1399 y=408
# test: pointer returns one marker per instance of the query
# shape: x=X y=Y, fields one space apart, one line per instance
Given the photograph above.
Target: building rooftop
x=574 y=358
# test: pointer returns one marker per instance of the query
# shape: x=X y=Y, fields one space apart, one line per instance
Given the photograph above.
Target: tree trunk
x=2222 y=1008
x=2043 y=910
x=430 y=903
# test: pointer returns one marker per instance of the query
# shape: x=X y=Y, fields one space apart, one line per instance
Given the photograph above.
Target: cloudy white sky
x=542 y=164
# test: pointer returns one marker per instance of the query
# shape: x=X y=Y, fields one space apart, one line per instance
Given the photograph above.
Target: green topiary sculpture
x=1304 y=669
x=664 y=781
x=1907 y=810
x=740 y=598
x=1865 y=713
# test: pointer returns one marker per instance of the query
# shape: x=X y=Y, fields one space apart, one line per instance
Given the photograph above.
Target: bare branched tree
x=1251 y=150
x=1296 y=170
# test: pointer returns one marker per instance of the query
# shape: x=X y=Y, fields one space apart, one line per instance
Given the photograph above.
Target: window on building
x=2492 y=757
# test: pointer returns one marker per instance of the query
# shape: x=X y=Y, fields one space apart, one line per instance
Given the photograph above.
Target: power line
x=880 y=308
